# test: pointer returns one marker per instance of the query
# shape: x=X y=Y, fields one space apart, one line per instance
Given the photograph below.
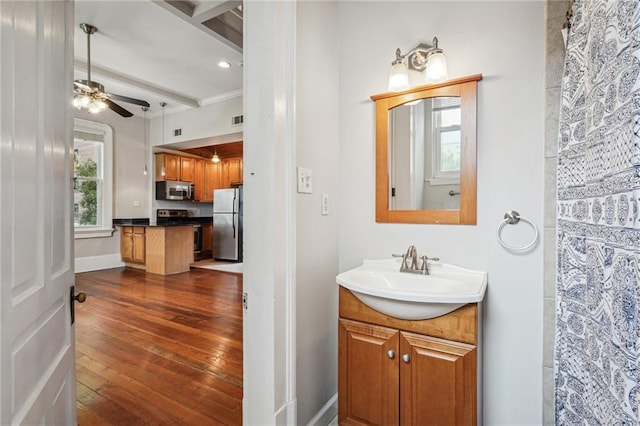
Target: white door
x=37 y=363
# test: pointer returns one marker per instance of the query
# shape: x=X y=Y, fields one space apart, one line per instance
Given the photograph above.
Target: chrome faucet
x=410 y=261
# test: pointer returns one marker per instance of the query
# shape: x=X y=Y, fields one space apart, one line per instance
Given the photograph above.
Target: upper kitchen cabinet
x=167 y=167
x=231 y=173
x=174 y=167
x=186 y=169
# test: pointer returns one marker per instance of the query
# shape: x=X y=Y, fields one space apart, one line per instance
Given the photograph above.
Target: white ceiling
x=153 y=51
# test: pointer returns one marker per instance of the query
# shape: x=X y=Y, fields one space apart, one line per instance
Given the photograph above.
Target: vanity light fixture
x=163 y=170
x=422 y=58
x=215 y=158
x=145 y=109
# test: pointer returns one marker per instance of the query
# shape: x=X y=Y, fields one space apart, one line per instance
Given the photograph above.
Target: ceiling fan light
x=96 y=106
x=81 y=101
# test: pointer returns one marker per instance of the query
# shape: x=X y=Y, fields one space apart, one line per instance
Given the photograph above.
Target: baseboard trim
x=326 y=413
x=96 y=263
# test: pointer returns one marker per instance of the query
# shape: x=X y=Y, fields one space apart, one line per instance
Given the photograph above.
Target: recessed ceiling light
x=224 y=64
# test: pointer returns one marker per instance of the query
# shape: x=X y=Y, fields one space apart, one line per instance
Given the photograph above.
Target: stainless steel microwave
x=174 y=190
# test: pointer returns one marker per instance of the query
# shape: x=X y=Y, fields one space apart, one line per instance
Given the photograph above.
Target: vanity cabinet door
x=368 y=387
x=438 y=381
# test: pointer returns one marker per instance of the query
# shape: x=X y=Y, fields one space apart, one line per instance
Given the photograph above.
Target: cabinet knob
x=406 y=358
x=390 y=354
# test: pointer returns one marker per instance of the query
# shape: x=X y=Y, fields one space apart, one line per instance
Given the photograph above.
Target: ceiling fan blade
x=80 y=85
x=117 y=108
x=128 y=100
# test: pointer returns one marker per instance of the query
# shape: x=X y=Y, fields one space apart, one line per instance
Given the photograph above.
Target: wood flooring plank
x=159 y=350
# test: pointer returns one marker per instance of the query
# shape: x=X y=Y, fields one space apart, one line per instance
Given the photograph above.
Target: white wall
x=317 y=121
x=204 y=122
x=129 y=182
x=503 y=41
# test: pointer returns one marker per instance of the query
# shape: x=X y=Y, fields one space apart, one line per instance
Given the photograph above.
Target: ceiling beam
x=210 y=9
x=179 y=10
x=138 y=84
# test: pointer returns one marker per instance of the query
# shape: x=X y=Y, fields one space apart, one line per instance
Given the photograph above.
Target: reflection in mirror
x=424 y=154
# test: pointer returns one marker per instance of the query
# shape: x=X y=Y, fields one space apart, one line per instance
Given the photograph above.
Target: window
x=446 y=128
x=92 y=179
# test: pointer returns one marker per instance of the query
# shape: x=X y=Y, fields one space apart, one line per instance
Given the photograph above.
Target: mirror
x=426 y=153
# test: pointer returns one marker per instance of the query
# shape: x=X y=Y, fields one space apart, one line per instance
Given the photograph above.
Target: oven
x=197 y=241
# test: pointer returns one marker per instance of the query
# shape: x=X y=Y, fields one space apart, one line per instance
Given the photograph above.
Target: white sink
x=380 y=285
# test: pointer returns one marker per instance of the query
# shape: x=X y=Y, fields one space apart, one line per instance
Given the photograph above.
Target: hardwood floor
x=162 y=350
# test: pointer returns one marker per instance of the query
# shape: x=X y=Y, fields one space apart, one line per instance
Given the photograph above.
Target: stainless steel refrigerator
x=227 y=224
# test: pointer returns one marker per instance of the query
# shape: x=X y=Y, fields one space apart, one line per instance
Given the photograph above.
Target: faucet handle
x=404 y=260
x=424 y=266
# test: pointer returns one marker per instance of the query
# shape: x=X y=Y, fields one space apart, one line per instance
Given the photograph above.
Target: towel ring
x=512 y=217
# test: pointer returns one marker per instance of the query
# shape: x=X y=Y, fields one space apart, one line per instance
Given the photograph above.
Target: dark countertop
x=147 y=222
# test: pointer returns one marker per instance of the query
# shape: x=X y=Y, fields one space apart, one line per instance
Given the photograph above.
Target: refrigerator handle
x=235 y=210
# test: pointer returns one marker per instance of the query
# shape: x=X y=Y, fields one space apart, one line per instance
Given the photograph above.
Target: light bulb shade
x=398 y=77
x=436 y=70
x=215 y=158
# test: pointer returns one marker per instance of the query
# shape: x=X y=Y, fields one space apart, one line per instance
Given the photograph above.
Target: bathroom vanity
x=412 y=372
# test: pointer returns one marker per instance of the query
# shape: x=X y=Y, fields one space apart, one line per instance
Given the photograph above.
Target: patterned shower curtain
x=597 y=351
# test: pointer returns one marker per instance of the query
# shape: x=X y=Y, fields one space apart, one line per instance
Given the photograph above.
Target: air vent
x=237 y=120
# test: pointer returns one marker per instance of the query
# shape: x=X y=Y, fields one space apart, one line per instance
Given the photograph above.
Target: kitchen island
x=159 y=249
x=169 y=249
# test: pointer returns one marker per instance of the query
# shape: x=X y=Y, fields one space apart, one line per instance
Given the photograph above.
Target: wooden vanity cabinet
x=132 y=244
x=397 y=372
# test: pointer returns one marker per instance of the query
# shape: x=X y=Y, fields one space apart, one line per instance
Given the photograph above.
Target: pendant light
x=215 y=157
x=163 y=170
x=146 y=150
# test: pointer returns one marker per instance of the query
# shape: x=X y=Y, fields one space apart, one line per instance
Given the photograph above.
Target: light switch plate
x=304 y=180
x=324 y=207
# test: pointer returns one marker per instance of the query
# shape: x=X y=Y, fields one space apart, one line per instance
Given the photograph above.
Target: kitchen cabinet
x=393 y=371
x=175 y=167
x=186 y=169
x=169 y=249
x=132 y=244
x=211 y=180
x=231 y=172
x=198 y=180
x=207 y=240
x=171 y=165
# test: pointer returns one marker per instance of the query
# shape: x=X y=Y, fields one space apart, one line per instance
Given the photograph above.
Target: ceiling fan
x=91 y=96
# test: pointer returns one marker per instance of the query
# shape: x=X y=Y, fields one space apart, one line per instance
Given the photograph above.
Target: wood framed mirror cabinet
x=426 y=153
